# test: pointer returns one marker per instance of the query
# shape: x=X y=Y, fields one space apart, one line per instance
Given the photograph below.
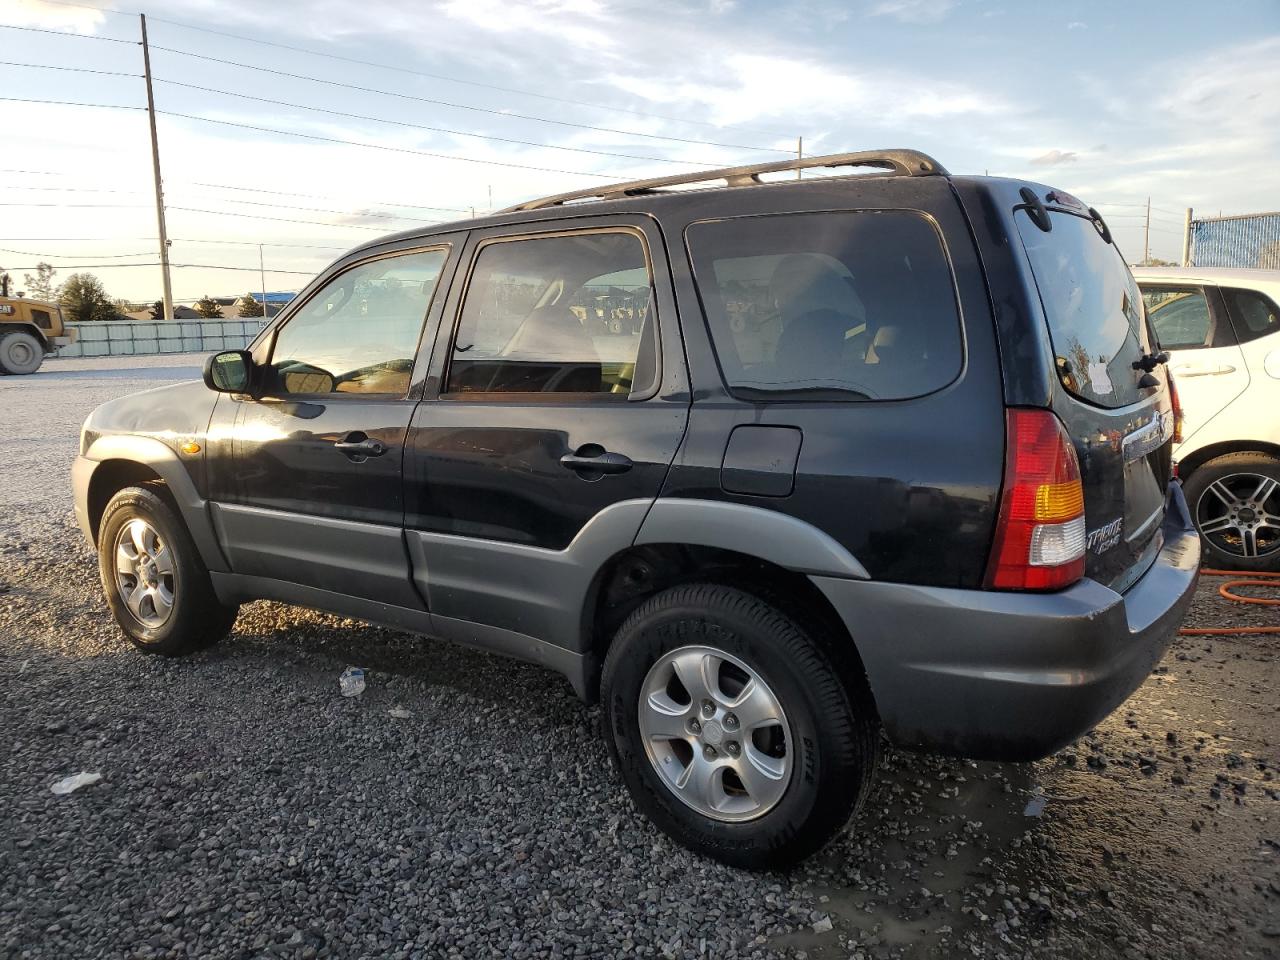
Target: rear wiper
x=1149 y=361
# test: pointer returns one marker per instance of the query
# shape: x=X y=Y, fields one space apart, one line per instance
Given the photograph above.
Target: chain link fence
x=127 y=338
x=1252 y=240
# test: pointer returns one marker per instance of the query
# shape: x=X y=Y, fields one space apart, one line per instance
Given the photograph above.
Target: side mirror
x=229 y=371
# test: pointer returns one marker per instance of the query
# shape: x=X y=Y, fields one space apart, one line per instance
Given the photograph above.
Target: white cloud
x=914 y=11
x=1077 y=25
x=37 y=13
x=1054 y=158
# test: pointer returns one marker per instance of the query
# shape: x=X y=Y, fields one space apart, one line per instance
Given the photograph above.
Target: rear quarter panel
x=910 y=487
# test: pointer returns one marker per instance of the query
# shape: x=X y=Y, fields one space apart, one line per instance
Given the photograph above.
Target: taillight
x=1177 y=410
x=1040 y=536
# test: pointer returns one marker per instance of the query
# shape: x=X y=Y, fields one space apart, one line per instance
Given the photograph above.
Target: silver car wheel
x=715 y=733
x=144 y=573
x=1240 y=514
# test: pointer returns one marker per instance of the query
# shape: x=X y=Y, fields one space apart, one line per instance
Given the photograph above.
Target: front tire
x=734 y=731
x=20 y=352
x=1235 y=503
x=155 y=583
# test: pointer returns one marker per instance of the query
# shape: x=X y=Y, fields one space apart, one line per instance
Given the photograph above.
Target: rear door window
x=1092 y=306
x=842 y=306
x=1253 y=314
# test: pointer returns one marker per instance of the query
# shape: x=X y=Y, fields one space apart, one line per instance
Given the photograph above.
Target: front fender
x=168 y=466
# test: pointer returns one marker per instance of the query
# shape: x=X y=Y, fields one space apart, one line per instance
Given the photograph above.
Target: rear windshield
x=845 y=306
x=1092 y=305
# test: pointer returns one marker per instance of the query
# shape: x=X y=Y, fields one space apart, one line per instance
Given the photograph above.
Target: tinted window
x=360 y=332
x=855 y=306
x=1252 y=314
x=553 y=315
x=1091 y=302
x=1179 y=316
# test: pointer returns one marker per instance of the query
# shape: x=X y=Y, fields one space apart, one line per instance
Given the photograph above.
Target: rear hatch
x=1122 y=431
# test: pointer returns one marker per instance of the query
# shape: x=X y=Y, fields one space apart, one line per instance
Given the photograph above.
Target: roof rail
x=902 y=163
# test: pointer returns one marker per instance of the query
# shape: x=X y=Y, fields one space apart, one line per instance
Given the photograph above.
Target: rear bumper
x=1015 y=676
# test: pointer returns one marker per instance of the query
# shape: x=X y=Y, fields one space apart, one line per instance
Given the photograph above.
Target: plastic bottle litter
x=400 y=713
x=351 y=683
x=75 y=782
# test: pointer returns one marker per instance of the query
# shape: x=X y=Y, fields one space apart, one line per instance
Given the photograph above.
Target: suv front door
x=310 y=490
x=556 y=400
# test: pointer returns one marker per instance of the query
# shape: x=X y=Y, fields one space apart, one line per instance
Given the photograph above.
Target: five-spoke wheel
x=715 y=732
x=1235 y=502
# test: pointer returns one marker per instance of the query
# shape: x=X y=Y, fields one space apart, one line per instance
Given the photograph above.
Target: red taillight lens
x=1039 y=542
x=1177 y=410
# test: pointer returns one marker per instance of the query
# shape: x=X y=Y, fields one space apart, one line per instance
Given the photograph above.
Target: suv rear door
x=1191 y=322
x=554 y=396
x=1121 y=430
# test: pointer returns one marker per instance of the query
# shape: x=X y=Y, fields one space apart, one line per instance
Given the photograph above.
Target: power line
x=471 y=83
x=65 y=256
x=176 y=266
x=381 y=146
x=49 y=66
x=611 y=108
x=312 y=136
x=72 y=103
x=98 y=206
x=462 y=106
x=247 y=243
x=419 y=126
x=66 y=33
x=252 y=216
x=347 y=213
x=320 y=196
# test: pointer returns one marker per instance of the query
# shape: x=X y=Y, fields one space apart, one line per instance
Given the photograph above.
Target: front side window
x=1253 y=314
x=1092 y=306
x=563 y=314
x=1179 y=316
x=360 y=332
x=842 y=306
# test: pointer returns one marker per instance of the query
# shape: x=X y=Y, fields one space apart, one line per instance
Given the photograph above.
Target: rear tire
x=155 y=583
x=810 y=765
x=20 y=352
x=1235 y=503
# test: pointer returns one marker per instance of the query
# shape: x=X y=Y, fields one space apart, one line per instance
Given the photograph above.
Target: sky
x=1114 y=102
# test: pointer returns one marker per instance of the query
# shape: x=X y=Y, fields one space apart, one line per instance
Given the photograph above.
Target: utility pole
x=799 y=155
x=262 y=279
x=155 y=167
x=1146 y=236
x=1186 y=240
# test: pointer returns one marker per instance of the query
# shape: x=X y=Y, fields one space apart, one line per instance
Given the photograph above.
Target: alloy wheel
x=1240 y=514
x=144 y=572
x=716 y=733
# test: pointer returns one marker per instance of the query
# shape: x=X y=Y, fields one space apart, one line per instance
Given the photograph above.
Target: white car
x=1221 y=328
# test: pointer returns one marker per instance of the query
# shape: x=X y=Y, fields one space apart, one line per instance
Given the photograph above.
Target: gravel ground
x=247 y=810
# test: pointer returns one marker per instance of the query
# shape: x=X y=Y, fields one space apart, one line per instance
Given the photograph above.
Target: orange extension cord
x=1245 y=579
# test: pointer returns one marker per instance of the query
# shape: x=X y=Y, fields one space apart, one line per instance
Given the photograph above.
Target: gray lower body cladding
x=1014 y=676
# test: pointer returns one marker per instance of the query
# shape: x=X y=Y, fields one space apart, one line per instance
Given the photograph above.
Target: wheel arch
x=1202 y=455
x=633 y=575
x=119 y=461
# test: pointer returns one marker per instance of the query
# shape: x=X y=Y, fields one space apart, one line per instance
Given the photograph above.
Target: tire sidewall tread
x=834 y=740
x=198 y=619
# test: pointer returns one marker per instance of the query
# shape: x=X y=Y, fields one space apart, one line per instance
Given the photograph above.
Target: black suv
x=767 y=467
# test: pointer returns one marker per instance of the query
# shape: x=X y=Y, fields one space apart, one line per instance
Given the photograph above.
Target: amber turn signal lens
x=190 y=447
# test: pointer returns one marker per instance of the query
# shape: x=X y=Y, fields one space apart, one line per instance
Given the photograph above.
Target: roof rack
x=902 y=163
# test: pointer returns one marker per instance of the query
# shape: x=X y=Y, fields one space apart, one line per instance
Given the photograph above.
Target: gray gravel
x=247 y=809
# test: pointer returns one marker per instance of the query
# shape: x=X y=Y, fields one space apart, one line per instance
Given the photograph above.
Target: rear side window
x=1180 y=317
x=1252 y=314
x=562 y=314
x=846 y=306
x=1092 y=305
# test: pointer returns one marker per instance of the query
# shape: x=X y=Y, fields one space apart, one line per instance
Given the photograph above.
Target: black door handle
x=359 y=446
x=603 y=462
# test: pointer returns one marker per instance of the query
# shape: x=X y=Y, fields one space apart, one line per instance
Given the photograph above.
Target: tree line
x=84 y=299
